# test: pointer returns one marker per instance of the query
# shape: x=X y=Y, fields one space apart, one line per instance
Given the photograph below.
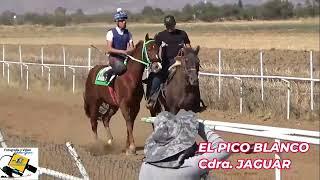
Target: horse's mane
x=140 y=43
x=188 y=50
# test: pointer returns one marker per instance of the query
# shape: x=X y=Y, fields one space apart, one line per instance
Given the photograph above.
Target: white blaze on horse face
x=159 y=65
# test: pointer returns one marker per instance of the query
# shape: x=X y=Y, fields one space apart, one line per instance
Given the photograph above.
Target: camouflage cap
x=172 y=134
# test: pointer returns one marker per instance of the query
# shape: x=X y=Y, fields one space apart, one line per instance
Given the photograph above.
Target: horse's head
x=190 y=64
x=150 y=54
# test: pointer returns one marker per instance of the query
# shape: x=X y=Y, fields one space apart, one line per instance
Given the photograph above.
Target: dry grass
x=240 y=43
x=294 y=34
x=276 y=62
x=275 y=98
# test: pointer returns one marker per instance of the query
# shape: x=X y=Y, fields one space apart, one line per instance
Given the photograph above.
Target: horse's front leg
x=130 y=112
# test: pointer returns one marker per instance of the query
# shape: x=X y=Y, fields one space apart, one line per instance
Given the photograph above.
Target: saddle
x=101 y=77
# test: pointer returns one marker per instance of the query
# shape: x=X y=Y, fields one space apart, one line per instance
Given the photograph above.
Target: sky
x=98 y=6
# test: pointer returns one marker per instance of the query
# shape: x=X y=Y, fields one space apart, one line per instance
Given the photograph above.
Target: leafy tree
x=187 y=13
x=7 y=17
x=78 y=16
x=158 y=12
x=240 y=5
x=207 y=12
x=147 y=10
x=60 y=16
x=276 y=9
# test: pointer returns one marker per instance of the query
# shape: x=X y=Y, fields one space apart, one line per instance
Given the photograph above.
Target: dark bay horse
x=125 y=93
x=181 y=91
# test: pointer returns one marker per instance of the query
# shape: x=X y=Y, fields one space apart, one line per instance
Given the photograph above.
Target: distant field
x=293 y=34
x=241 y=43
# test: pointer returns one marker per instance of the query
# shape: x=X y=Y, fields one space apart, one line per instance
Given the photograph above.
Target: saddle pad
x=100 y=79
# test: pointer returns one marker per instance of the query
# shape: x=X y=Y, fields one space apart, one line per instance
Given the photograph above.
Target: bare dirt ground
x=48 y=120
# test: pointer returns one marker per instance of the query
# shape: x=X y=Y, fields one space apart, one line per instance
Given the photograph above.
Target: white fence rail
x=220 y=75
x=278 y=134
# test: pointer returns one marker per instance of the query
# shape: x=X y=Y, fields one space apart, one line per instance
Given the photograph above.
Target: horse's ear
x=147 y=37
x=197 y=50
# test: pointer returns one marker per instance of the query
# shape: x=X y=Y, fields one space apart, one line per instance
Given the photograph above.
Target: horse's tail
x=85 y=100
x=86 y=105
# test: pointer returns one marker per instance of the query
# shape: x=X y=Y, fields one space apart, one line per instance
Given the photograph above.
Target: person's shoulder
x=109 y=30
x=161 y=33
x=180 y=31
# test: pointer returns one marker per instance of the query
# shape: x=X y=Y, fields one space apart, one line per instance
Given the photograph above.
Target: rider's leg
x=155 y=85
x=108 y=74
x=117 y=67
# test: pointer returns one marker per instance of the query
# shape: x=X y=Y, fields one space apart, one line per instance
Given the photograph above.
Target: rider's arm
x=109 y=48
x=158 y=40
x=187 y=40
x=131 y=40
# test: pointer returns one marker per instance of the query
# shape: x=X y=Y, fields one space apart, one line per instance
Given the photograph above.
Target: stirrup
x=110 y=80
x=150 y=105
x=112 y=77
x=151 y=102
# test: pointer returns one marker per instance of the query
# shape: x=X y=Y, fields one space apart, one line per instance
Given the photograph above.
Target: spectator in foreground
x=170 y=151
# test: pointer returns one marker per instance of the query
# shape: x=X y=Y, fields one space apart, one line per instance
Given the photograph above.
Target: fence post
x=73 y=78
x=312 y=82
x=8 y=72
x=21 y=66
x=277 y=156
x=64 y=62
x=3 y=60
x=261 y=70
x=42 y=61
x=89 y=59
x=288 y=97
x=27 y=76
x=219 y=73
x=49 y=77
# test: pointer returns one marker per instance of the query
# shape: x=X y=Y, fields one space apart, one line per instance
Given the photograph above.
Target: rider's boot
x=108 y=74
x=152 y=100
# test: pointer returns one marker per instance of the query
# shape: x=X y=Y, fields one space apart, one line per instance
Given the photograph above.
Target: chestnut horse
x=125 y=93
x=181 y=89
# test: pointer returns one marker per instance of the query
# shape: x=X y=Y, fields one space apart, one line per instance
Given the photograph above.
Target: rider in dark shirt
x=170 y=42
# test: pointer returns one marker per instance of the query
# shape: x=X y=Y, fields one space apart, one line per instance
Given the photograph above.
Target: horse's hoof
x=130 y=152
x=109 y=142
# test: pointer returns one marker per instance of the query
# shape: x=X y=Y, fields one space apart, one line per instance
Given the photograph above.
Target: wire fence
x=45 y=67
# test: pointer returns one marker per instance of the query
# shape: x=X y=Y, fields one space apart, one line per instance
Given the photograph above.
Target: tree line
x=208 y=12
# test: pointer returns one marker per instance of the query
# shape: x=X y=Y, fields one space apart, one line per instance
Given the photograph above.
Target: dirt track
x=48 y=120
